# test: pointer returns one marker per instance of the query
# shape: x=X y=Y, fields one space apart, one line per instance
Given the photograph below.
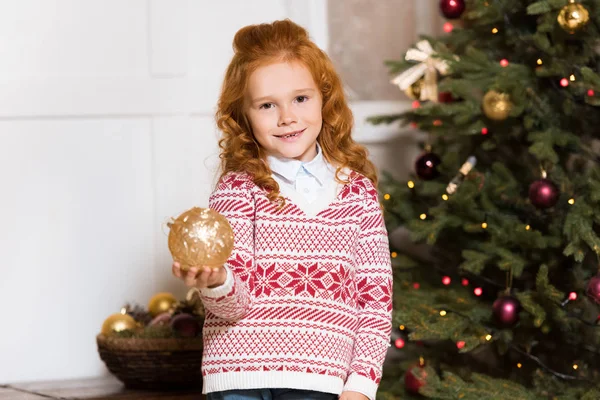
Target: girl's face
x=283 y=105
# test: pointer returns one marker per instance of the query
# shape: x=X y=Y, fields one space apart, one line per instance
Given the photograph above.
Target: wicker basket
x=153 y=364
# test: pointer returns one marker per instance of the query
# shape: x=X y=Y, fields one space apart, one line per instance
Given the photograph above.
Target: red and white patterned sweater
x=307 y=302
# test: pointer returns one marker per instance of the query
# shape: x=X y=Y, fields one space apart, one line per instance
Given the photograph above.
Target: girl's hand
x=201 y=277
x=352 y=396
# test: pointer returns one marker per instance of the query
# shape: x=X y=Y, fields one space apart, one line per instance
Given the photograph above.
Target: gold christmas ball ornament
x=161 y=303
x=497 y=106
x=414 y=90
x=573 y=17
x=117 y=323
x=200 y=237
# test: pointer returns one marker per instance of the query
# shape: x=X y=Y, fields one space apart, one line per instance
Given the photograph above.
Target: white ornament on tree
x=428 y=68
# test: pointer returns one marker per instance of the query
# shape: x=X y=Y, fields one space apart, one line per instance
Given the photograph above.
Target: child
x=302 y=308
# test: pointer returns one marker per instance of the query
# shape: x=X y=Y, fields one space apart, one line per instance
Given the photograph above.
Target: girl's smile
x=291 y=137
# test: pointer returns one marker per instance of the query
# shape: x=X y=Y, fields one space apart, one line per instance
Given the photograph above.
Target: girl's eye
x=266 y=106
x=302 y=99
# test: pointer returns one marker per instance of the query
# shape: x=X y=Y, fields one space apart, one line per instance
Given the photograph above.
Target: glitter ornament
x=200 y=237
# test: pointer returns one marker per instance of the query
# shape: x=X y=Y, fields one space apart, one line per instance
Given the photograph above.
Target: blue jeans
x=270 y=394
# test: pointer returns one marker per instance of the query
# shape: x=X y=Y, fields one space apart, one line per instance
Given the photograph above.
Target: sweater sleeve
x=374 y=285
x=234 y=200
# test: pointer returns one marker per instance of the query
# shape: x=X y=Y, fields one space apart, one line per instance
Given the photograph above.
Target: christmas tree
x=497 y=291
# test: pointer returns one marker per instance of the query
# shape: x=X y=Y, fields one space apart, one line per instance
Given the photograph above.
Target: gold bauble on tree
x=414 y=90
x=161 y=302
x=496 y=105
x=573 y=17
x=117 y=323
x=200 y=237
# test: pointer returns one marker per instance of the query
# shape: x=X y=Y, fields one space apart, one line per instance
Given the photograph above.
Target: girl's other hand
x=352 y=396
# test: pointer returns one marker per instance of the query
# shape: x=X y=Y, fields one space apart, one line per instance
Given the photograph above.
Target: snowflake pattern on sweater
x=308 y=299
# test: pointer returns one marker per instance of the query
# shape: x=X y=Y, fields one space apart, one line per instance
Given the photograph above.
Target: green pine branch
x=479 y=387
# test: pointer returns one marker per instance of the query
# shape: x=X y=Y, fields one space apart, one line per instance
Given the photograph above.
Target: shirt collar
x=289 y=168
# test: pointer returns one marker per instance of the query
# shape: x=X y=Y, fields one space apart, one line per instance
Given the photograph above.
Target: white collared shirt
x=310 y=185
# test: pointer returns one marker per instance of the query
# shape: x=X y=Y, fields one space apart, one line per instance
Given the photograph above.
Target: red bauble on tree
x=415 y=378
x=446 y=97
x=452 y=9
x=593 y=288
x=426 y=166
x=506 y=311
x=543 y=193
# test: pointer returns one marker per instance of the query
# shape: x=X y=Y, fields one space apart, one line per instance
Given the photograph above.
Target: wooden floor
x=96 y=388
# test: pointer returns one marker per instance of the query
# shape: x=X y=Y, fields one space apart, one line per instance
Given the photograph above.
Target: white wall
x=106 y=130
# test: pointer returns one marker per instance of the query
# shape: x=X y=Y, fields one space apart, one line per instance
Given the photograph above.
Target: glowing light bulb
x=572 y=296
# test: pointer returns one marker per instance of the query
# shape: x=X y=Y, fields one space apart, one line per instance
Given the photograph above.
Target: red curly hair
x=283 y=41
